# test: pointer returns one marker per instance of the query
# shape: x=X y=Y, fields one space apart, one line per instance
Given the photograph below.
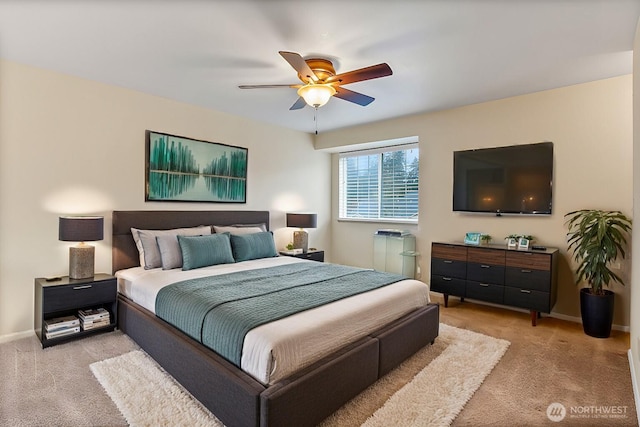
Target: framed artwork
x=472 y=238
x=180 y=169
x=512 y=243
x=523 y=243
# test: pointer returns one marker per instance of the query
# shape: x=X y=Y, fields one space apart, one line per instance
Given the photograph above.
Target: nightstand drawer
x=313 y=256
x=58 y=298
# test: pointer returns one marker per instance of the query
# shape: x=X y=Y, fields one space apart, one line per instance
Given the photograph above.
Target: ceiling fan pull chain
x=315 y=118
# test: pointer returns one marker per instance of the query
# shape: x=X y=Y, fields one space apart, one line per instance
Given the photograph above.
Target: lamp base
x=301 y=240
x=81 y=261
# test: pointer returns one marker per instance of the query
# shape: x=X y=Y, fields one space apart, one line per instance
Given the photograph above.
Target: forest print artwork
x=189 y=170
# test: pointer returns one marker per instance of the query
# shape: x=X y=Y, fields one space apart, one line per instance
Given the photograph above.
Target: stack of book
x=61 y=326
x=94 y=318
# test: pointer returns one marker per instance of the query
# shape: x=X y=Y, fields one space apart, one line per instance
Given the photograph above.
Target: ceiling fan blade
x=298 y=63
x=300 y=103
x=351 y=96
x=367 y=73
x=267 y=86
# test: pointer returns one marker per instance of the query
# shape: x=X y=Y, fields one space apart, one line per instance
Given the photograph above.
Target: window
x=380 y=184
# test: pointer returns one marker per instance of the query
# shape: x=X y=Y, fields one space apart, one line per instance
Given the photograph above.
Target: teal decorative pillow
x=253 y=246
x=202 y=251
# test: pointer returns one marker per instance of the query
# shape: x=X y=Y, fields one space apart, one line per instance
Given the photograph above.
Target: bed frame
x=236 y=398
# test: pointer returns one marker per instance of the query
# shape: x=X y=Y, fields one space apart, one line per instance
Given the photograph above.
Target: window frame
x=367 y=152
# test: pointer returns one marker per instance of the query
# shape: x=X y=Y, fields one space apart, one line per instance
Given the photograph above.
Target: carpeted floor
x=552 y=362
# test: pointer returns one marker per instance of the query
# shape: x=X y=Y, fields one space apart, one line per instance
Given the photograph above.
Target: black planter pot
x=597 y=313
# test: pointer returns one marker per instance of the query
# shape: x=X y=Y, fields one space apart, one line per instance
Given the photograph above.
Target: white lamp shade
x=316 y=95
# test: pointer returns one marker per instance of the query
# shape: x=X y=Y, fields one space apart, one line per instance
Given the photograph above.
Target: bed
x=304 y=396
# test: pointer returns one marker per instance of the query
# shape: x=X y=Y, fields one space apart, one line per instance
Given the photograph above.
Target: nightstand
x=313 y=255
x=64 y=297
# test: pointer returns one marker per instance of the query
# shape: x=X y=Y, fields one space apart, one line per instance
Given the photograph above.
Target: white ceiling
x=443 y=53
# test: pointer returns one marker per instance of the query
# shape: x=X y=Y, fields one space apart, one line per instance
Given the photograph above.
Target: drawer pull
x=483 y=285
x=485 y=266
x=446 y=279
x=75 y=288
x=446 y=261
x=525 y=271
x=525 y=291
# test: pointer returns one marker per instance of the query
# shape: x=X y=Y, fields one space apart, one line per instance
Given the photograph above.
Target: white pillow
x=238 y=231
x=170 y=252
x=148 y=246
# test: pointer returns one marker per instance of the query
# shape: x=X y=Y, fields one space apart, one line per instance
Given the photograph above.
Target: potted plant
x=597 y=238
x=485 y=239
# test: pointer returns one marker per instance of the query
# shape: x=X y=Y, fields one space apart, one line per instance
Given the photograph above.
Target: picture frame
x=181 y=169
x=512 y=243
x=472 y=238
x=523 y=244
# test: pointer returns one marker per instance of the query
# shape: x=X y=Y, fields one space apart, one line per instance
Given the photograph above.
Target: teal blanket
x=218 y=311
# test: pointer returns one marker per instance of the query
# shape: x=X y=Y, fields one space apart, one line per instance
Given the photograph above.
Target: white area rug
x=146 y=395
x=437 y=394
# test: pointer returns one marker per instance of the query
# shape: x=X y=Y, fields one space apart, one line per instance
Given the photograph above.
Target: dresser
x=492 y=273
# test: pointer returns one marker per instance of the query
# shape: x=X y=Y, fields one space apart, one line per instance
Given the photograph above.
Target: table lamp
x=302 y=221
x=81 y=229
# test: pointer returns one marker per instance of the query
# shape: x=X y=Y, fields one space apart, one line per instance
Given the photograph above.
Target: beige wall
x=73 y=146
x=591 y=128
x=634 y=358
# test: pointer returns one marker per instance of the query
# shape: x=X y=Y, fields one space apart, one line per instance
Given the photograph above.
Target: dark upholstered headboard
x=124 y=252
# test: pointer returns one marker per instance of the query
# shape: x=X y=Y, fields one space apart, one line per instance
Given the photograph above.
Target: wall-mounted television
x=504 y=180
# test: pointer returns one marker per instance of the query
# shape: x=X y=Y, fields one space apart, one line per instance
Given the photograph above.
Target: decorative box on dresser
x=492 y=273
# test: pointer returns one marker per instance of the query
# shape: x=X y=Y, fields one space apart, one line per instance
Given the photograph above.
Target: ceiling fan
x=320 y=81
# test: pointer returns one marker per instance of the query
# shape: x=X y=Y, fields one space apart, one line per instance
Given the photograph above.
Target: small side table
x=65 y=296
x=313 y=255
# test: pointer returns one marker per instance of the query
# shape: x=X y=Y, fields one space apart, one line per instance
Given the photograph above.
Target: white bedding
x=275 y=350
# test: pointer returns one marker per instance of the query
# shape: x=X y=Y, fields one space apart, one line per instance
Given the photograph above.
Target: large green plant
x=597 y=237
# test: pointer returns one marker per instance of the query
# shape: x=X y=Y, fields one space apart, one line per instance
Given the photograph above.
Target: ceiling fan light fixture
x=316 y=95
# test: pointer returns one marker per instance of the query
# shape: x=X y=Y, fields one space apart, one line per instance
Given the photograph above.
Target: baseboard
x=634 y=383
x=579 y=320
x=552 y=314
x=16 y=336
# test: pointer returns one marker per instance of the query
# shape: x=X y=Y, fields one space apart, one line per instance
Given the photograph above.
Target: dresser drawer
x=485 y=273
x=451 y=252
x=527 y=278
x=529 y=299
x=485 y=292
x=528 y=260
x=448 y=285
x=58 y=298
x=449 y=267
x=486 y=256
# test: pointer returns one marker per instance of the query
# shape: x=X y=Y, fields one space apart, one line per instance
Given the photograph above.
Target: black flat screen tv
x=504 y=180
